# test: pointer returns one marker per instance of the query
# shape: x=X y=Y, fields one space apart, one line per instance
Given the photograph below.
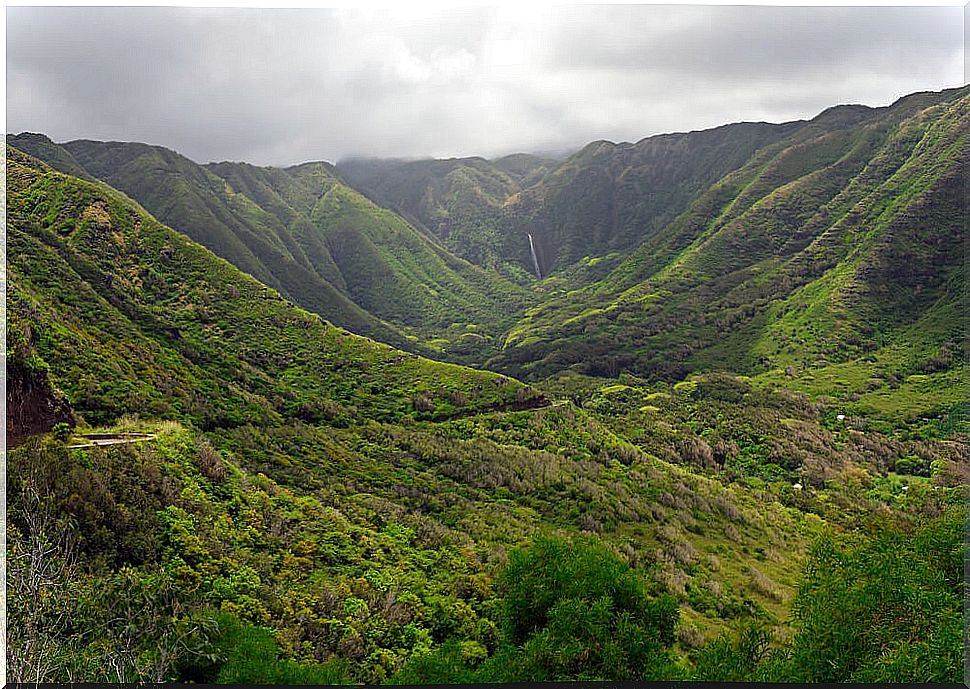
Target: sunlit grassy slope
x=302 y=231
x=836 y=253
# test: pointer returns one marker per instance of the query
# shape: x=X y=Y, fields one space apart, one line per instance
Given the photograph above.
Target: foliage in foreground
x=165 y=561
x=885 y=608
x=572 y=610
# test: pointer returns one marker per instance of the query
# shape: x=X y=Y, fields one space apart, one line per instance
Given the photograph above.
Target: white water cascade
x=535 y=261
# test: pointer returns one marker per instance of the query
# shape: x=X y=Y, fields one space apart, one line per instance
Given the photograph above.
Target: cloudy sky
x=285 y=86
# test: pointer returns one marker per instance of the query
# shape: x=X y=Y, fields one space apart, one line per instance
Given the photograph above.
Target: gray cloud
x=284 y=86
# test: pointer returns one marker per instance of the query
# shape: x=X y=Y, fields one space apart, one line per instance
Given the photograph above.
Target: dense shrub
x=250 y=655
x=888 y=610
x=571 y=610
x=881 y=609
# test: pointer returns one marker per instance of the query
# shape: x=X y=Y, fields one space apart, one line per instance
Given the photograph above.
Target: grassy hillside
x=387 y=552
x=834 y=255
x=747 y=418
x=143 y=320
x=595 y=206
x=42 y=148
x=196 y=202
x=325 y=247
x=459 y=201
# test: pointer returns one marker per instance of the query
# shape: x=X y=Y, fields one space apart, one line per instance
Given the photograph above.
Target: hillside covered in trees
x=323 y=424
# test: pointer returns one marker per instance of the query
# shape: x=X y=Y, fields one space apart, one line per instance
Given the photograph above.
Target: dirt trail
x=102 y=439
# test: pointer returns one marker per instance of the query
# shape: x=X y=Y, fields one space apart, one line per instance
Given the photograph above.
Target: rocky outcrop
x=34 y=405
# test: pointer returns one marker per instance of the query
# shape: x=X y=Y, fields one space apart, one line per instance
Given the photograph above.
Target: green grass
x=828 y=245
x=305 y=233
x=320 y=507
x=145 y=321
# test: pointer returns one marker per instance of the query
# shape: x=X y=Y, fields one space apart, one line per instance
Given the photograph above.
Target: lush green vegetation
x=880 y=608
x=143 y=320
x=742 y=455
x=836 y=244
x=303 y=232
x=570 y=610
x=461 y=201
x=340 y=567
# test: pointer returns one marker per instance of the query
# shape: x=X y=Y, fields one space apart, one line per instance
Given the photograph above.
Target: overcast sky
x=284 y=86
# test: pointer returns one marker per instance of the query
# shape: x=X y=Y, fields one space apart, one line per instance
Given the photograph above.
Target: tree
x=71 y=619
x=883 y=608
x=42 y=569
x=576 y=610
x=887 y=610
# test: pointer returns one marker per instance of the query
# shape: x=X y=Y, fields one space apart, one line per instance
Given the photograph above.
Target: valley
x=693 y=407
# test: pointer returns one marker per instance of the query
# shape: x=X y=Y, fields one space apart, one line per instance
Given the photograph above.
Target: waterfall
x=535 y=261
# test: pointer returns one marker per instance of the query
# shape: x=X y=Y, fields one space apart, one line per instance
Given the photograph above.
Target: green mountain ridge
x=142 y=320
x=744 y=413
x=827 y=247
x=785 y=251
x=302 y=231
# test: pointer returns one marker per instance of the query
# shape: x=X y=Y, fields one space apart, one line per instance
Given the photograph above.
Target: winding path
x=103 y=439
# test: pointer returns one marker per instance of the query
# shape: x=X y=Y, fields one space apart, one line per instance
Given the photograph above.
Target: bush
x=734 y=658
x=912 y=465
x=250 y=656
x=888 y=610
x=575 y=610
x=572 y=610
x=446 y=665
x=62 y=431
x=880 y=610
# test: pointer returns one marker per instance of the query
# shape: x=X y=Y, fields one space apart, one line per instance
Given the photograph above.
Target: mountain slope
x=611 y=197
x=330 y=250
x=186 y=196
x=42 y=148
x=143 y=320
x=830 y=246
x=597 y=204
x=458 y=200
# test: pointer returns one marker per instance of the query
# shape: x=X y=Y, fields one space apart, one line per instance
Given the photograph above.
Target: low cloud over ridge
x=284 y=86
